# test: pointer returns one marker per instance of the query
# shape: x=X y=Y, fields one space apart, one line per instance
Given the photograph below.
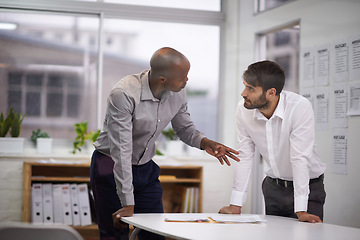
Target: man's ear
x=271 y=92
x=162 y=79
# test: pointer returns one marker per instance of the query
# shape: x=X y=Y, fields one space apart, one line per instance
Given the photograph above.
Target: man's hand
x=126 y=211
x=232 y=209
x=218 y=150
x=307 y=217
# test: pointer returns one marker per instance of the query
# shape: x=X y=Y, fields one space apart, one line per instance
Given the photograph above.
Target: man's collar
x=146 y=93
x=279 y=110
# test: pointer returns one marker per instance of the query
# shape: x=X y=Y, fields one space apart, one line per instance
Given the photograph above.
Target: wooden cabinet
x=172 y=179
x=37 y=172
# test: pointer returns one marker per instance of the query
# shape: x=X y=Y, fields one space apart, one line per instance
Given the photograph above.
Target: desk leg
x=134 y=233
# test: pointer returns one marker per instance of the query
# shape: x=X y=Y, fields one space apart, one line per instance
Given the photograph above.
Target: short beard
x=261 y=104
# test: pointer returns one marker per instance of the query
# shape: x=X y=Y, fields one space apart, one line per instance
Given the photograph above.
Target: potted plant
x=174 y=146
x=42 y=141
x=11 y=124
x=83 y=136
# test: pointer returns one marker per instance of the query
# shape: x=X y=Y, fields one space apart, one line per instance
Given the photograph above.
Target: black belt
x=285 y=183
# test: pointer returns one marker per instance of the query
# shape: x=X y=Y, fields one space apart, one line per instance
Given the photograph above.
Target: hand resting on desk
x=307 y=217
x=126 y=211
x=302 y=216
x=232 y=209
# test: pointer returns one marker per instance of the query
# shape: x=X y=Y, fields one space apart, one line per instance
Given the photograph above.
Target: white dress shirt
x=286 y=143
x=134 y=120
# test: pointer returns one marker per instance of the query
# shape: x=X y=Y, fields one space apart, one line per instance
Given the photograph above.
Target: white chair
x=28 y=231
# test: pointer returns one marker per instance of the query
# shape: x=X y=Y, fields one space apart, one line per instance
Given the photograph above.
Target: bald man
x=124 y=179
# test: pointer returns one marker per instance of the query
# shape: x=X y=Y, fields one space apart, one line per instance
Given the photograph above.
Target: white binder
x=66 y=204
x=57 y=203
x=85 y=214
x=36 y=203
x=75 y=210
x=47 y=203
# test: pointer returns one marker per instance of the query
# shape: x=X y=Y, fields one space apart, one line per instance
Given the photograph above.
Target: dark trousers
x=147 y=194
x=279 y=200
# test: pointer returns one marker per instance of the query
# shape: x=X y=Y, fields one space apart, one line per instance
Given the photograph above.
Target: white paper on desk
x=186 y=218
x=237 y=218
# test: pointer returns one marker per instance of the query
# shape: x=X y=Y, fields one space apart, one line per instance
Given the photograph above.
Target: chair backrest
x=28 y=231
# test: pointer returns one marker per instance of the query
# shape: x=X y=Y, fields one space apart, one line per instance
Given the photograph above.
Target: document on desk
x=186 y=218
x=215 y=218
x=236 y=218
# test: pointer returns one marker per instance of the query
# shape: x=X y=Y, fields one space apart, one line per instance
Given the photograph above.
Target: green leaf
x=170 y=134
x=11 y=123
x=82 y=135
x=39 y=134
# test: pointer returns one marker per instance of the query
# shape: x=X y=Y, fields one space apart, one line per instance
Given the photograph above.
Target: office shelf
x=172 y=178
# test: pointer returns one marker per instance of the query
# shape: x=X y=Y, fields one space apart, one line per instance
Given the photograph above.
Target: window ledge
x=61 y=149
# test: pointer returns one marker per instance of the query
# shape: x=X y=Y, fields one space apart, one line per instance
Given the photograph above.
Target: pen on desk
x=202 y=220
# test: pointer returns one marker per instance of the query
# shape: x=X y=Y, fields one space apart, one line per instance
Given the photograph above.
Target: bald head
x=167 y=60
x=169 y=70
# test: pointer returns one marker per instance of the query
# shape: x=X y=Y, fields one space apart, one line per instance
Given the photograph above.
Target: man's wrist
x=235 y=209
x=203 y=143
x=300 y=213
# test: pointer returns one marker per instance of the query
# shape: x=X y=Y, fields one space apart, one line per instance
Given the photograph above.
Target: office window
x=46 y=94
x=134 y=42
x=49 y=62
x=263 y=5
x=282 y=47
x=46 y=73
x=282 y=38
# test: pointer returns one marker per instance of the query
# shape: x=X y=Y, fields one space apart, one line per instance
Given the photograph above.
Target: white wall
x=322 y=21
x=10 y=190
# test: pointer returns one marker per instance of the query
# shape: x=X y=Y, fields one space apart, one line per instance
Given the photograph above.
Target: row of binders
x=60 y=203
x=190 y=201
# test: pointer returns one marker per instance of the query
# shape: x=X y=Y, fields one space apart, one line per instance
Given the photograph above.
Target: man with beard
x=280 y=124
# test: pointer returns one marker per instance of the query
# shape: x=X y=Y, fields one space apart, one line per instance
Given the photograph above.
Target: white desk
x=277 y=228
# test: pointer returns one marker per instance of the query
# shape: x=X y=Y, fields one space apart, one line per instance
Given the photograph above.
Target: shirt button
x=146 y=149
x=158 y=120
